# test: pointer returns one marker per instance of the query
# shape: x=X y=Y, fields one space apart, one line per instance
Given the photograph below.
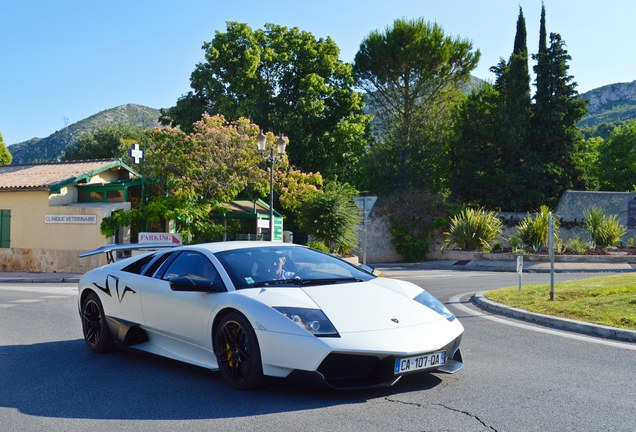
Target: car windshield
x=287 y=266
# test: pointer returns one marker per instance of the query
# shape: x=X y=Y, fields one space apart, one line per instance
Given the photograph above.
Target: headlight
x=431 y=302
x=313 y=320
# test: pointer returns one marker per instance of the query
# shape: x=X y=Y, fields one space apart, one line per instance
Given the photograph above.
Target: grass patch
x=605 y=300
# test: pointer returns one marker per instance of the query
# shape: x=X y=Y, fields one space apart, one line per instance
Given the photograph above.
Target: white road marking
x=26 y=301
x=66 y=291
x=431 y=274
x=5 y=306
x=455 y=302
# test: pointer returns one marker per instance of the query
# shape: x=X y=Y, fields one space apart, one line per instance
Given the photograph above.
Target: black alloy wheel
x=238 y=353
x=96 y=333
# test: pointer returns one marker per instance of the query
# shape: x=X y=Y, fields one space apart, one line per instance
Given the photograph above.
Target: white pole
x=520 y=269
x=551 y=252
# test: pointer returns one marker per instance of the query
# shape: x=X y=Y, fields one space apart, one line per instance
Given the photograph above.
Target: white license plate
x=419 y=362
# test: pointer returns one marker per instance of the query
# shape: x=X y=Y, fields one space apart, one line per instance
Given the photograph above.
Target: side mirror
x=190 y=284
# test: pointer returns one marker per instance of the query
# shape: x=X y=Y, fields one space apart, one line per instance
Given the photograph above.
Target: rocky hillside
x=52 y=147
x=609 y=104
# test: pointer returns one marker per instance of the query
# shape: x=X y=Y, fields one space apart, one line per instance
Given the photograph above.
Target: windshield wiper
x=296 y=281
x=306 y=282
x=327 y=281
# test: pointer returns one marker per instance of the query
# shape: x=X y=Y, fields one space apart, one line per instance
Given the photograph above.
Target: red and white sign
x=158 y=237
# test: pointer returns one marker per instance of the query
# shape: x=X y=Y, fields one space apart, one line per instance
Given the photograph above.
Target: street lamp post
x=281 y=143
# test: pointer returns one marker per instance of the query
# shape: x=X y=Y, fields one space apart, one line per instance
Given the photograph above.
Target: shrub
x=605 y=231
x=331 y=216
x=473 y=229
x=534 y=231
x=318 y=245
x=516 y=244
x=577 y=245
x=413 y=215
x=409 y=247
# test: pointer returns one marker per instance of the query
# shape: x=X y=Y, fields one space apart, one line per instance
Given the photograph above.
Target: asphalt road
x=517 y=377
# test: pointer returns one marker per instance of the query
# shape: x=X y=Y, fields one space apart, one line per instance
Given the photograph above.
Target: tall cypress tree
x=541 y=82
x=513 y=84
x=555 y=139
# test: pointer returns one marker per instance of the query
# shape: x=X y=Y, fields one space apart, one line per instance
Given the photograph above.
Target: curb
x=559 y=323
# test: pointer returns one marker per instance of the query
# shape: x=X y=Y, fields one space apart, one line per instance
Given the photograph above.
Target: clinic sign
x=70 y=219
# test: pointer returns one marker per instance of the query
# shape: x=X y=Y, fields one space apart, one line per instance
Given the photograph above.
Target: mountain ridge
x=51 y=148
x=608 y=104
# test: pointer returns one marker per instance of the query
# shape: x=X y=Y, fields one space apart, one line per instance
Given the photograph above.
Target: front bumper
x=345 y=371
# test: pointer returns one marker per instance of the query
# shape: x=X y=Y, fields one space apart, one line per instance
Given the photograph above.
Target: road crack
x=404 y=403
x=469 y=415
x=445 y=407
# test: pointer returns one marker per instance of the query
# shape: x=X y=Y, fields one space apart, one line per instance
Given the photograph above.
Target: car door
x=178 y=316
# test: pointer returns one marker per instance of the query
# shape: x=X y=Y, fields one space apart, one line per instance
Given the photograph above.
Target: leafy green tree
x=617 y=160
x=476 y=160
x=284 y=80
x=587 y=159
x=5 y=154
x=107 y=142
x=411 y=73
x=331 y=216
x=199 y=171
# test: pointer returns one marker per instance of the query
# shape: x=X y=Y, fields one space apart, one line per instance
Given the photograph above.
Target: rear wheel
x=96 y=333
x=238 y=353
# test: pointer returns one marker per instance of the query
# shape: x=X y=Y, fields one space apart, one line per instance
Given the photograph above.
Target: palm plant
x=535 y=231
x=473 y=229
x=604 y=230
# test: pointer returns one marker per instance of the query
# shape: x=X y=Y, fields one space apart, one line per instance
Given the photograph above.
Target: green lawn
x=606 y=300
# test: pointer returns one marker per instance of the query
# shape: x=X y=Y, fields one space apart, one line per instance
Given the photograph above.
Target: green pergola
x=246 y=211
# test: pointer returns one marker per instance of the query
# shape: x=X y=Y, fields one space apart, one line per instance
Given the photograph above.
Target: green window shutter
x=5 y=228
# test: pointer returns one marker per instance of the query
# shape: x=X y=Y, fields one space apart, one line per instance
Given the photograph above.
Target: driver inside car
x=279 y=271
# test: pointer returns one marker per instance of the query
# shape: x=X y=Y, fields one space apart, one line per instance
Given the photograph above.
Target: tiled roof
x=47 y=175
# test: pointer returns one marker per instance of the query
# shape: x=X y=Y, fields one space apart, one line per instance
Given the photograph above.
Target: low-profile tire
x=237 y=352
x=96 y=333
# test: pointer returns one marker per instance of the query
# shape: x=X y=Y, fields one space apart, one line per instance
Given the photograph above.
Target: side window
x=195 y=265
x=153 y=266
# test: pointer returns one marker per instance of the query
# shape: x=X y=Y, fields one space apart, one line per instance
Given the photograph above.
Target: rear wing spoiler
x=109 y=249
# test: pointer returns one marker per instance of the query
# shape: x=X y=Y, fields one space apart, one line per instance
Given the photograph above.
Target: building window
x=100 y=194
x=5 y=228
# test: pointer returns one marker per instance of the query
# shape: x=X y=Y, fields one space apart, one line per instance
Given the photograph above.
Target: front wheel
x=238 y=353
x=96 y=333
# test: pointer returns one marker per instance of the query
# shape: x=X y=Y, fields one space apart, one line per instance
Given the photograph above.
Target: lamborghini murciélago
x=252 y=310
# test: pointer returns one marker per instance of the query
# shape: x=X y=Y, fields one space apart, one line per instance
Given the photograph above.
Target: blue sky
x=65 y=60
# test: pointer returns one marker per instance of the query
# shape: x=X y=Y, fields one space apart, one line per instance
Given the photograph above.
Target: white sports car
x=256 y=309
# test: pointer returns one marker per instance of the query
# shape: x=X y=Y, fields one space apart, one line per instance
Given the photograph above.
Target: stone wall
x=573 y=204
x=570 y=211
x=379 y=248
x=48 y=260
